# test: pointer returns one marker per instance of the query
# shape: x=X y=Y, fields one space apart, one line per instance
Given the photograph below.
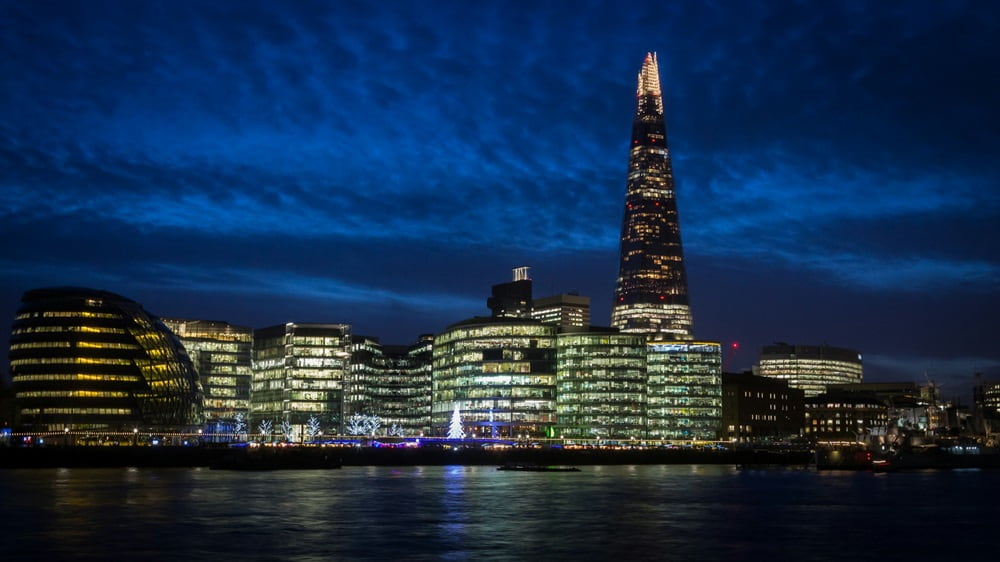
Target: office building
x=839 y=415
x=299 y=371
x=512 y=299
x=684 y=389
x=760 y=409
x=221 y=354
x=600 y=384
x=565 y=311
x=392 y=382
x=810 y=367
x=83 y=359
x=500 y=373
x=651 y=295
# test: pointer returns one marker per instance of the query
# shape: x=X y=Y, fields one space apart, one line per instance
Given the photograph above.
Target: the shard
x=652 y=295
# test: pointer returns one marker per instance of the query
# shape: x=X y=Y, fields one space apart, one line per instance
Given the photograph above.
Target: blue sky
x=382 y=164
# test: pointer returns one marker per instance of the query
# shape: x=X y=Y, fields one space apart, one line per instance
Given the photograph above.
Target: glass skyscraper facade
x=83 y=359
x=601 y=385
x=684 y=392
x=298 y=373
x=221 y=354
x=651 y=295
x=500 y=372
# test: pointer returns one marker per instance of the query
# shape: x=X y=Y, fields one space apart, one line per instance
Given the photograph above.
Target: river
x=650 y=512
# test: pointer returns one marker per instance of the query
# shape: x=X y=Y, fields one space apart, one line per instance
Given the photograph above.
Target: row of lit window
x=71 y=394
x=70 y=360
x=75 y=377
x=78 y=411
x=59 y=329
x=62 y=314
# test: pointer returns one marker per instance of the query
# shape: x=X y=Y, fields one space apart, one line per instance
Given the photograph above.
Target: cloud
x=371 y=150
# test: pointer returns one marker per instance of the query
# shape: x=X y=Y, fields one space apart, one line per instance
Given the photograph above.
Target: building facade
x=845 y=416
x=392 y=382
x=83 y=359
x=221 y=353
x=811 y=368
x=651 y=295
x=564 y=311
x=298 y=375
x=600 y=385
x=760 y=409
x=500 y=373
x=684 y=392
x=513 y=298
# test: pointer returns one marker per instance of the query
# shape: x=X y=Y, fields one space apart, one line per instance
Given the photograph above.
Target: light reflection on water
x=476 y=513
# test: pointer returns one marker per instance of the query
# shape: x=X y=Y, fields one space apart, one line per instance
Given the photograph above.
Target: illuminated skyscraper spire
x=652 y=292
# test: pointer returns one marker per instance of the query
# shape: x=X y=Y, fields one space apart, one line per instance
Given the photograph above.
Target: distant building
x=684 y=393
x=986 y=395
x=512 y=299
x=986 y=398
x=651 y=295
x=756 y=409
x=500 y=372
x=392 y=382
x=565 y=311
x=221 y=354
x=83 y=359
x=844 y=416
x=910 y=406
x=298 y=373
x=600 y=384
x=811 y=368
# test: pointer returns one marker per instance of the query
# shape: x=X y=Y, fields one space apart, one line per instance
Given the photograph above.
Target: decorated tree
x=455 y=429
x=240 y=426
x=372 y=423
x=313 y=428
x=396 y=430
x=356 y=425
x=265 y=427
x=288 y=431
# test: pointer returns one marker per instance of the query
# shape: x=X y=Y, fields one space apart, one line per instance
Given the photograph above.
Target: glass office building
x=221 y=354
x=684 y=392
x=601 y=385
x=811 y=367
x=500 y=372
x=392 y=382
x=298 y=373
x=83 y=359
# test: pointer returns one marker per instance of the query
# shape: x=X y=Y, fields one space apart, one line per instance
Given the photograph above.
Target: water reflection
x=474 y=513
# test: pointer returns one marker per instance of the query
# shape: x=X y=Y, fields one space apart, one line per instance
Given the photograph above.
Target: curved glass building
x=811 y=367
x=85 y=359
x=500 y=372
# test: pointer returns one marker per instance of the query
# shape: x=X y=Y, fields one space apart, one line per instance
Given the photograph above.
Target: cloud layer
x=388 y=162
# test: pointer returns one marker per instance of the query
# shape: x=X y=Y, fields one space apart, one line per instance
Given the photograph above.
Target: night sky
x=383 y=163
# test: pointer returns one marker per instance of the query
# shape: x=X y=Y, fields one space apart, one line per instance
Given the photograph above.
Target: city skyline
x=383 y=166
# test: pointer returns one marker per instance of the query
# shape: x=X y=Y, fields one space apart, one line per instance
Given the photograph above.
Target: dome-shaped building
x=85 y=359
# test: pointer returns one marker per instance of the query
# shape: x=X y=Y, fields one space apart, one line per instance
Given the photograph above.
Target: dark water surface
x=477 y=513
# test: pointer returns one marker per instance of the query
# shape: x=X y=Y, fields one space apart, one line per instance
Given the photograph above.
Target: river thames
x=659 y=512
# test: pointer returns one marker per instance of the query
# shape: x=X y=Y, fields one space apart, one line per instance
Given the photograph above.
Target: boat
x=521 y=467
x=940 y=456
x=270 y=458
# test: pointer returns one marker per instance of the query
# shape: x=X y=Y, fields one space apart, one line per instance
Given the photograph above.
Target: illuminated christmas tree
x=455 y=429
